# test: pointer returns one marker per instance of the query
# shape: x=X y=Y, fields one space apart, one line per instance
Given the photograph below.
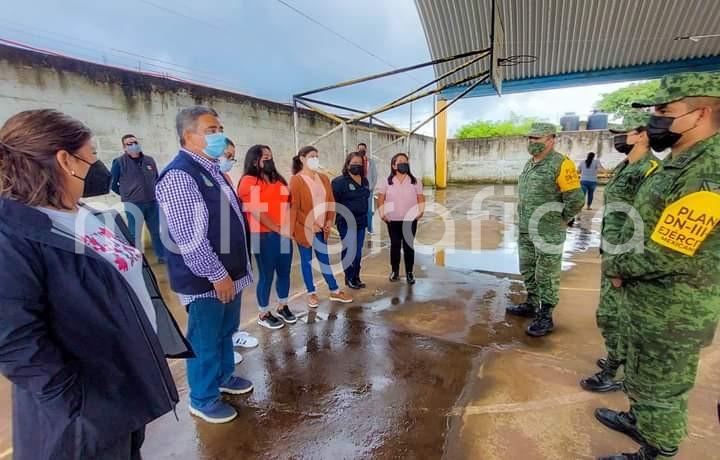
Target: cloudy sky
x=267 y=49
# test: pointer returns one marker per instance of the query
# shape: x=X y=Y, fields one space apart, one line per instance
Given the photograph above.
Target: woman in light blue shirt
x=588 y=170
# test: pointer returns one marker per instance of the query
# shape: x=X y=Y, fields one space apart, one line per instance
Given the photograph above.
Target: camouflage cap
x=626 y=130
x=542 y=129
x=680 y=85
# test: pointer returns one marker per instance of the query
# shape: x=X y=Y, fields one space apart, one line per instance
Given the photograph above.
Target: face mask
x=403 y=168
x=659 y=133
x=536 y=148
x=226 y=164
x=313 y=163
x=356 y=170
x=97 y=180
x=268 y=166
x=216 y=144
x=134 y=149
x=621 y=144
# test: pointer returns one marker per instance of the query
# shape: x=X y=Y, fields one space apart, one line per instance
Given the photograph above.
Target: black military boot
x=603 y=381
x=525 y=310
x=601 y=363
x=543 y=323
x=624 y=422
x=646 y=452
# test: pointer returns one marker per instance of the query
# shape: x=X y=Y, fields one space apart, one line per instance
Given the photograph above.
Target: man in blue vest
x=208 y=264
x=133 y=178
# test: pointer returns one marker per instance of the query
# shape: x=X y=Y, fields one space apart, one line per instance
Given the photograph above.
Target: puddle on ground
x=501 y=260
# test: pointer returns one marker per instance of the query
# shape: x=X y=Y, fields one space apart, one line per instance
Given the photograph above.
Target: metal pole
x=332 y=131
x=408 y=100
x=350 y=109
x=457 y=98
x=407 y=148
x=394 y=72
x=450 y=72
x=295 y=125
x=370 y=147
x=345 y=137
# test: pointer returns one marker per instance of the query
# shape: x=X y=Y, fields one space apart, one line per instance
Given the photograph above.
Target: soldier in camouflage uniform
x=619 y=193
x=549 y=197
x=673 y=286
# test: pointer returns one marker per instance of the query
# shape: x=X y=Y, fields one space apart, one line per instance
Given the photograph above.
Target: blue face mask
x=216 y=144
x=226 y=165
x=134 y=149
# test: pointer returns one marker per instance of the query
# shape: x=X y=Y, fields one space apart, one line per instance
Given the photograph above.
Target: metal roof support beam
x=394 y=72
x=350 y=109
x=414 y=98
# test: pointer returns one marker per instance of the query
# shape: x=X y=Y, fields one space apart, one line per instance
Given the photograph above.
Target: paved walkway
x=430 y=371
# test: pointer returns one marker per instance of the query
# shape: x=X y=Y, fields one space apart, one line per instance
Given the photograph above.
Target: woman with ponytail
x=265 y=196
x=312 y=213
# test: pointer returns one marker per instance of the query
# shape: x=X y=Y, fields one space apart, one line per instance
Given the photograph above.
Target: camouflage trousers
x=612 y=319
x=540 y=272
x=659 y=374
x=660 y=369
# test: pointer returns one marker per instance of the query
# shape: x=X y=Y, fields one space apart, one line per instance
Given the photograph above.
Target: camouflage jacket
x=552 y=180
x=675 y=281
x=621 y=190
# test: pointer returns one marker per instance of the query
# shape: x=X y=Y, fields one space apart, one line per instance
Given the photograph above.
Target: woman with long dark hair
x=401 y=204
x=588 y=177
x=352 y=192
x=312 y=212
x=266 y=198
x=82 y=337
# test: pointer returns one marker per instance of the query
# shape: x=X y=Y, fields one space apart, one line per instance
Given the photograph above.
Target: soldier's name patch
x=686 y=223
x=568 y=178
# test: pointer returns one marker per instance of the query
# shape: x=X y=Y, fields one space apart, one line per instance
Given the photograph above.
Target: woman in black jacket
x=83 y=336
x=352 y=192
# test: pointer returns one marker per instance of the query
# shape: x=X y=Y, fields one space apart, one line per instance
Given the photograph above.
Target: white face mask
x=313 y=163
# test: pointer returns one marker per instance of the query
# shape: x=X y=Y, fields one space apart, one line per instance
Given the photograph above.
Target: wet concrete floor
x=432 y=371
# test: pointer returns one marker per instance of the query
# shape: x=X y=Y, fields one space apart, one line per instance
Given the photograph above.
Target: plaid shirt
x=187 y=216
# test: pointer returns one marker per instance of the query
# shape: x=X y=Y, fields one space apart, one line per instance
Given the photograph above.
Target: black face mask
x=268 y=166
x=659 y=133
x=403 y=168
x=621 y=144
x=97 y=180
x=356 y=170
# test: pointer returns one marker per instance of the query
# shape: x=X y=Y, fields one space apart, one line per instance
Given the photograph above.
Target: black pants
x=126 y=449
x=402 y=235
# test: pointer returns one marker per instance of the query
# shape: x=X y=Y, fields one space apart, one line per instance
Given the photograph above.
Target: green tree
x=618 y=103
x=515 y=126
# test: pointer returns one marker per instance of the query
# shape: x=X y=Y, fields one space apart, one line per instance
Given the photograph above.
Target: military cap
x=680 y=85
x=626 y=129
x=542 y=129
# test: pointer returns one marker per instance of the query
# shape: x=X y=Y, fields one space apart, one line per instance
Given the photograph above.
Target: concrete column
x=441 y=173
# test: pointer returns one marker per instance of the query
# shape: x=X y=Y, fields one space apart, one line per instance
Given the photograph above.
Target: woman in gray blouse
x=588 y=170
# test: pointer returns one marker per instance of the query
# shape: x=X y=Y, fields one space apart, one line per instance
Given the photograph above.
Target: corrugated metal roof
x=572 y=36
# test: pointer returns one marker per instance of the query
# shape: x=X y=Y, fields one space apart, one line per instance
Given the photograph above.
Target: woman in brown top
x=312 y=212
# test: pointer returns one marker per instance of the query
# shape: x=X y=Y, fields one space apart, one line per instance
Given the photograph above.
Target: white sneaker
x=244 y=340
x=238 y=357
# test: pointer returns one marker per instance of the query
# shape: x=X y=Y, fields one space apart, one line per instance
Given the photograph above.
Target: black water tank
x=570 y=122
x=597 y=120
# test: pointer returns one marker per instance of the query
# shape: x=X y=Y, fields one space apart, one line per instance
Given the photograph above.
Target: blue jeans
x=319 y=245
x=210 y=328
x=588 y=188
x=274 y=256
x=352 y=241
x=151 y=216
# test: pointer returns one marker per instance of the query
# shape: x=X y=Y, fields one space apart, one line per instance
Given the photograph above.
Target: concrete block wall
x=114 y=102
x=501 y=159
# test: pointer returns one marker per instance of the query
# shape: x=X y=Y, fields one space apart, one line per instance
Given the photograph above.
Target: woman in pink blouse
x=401 y=204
